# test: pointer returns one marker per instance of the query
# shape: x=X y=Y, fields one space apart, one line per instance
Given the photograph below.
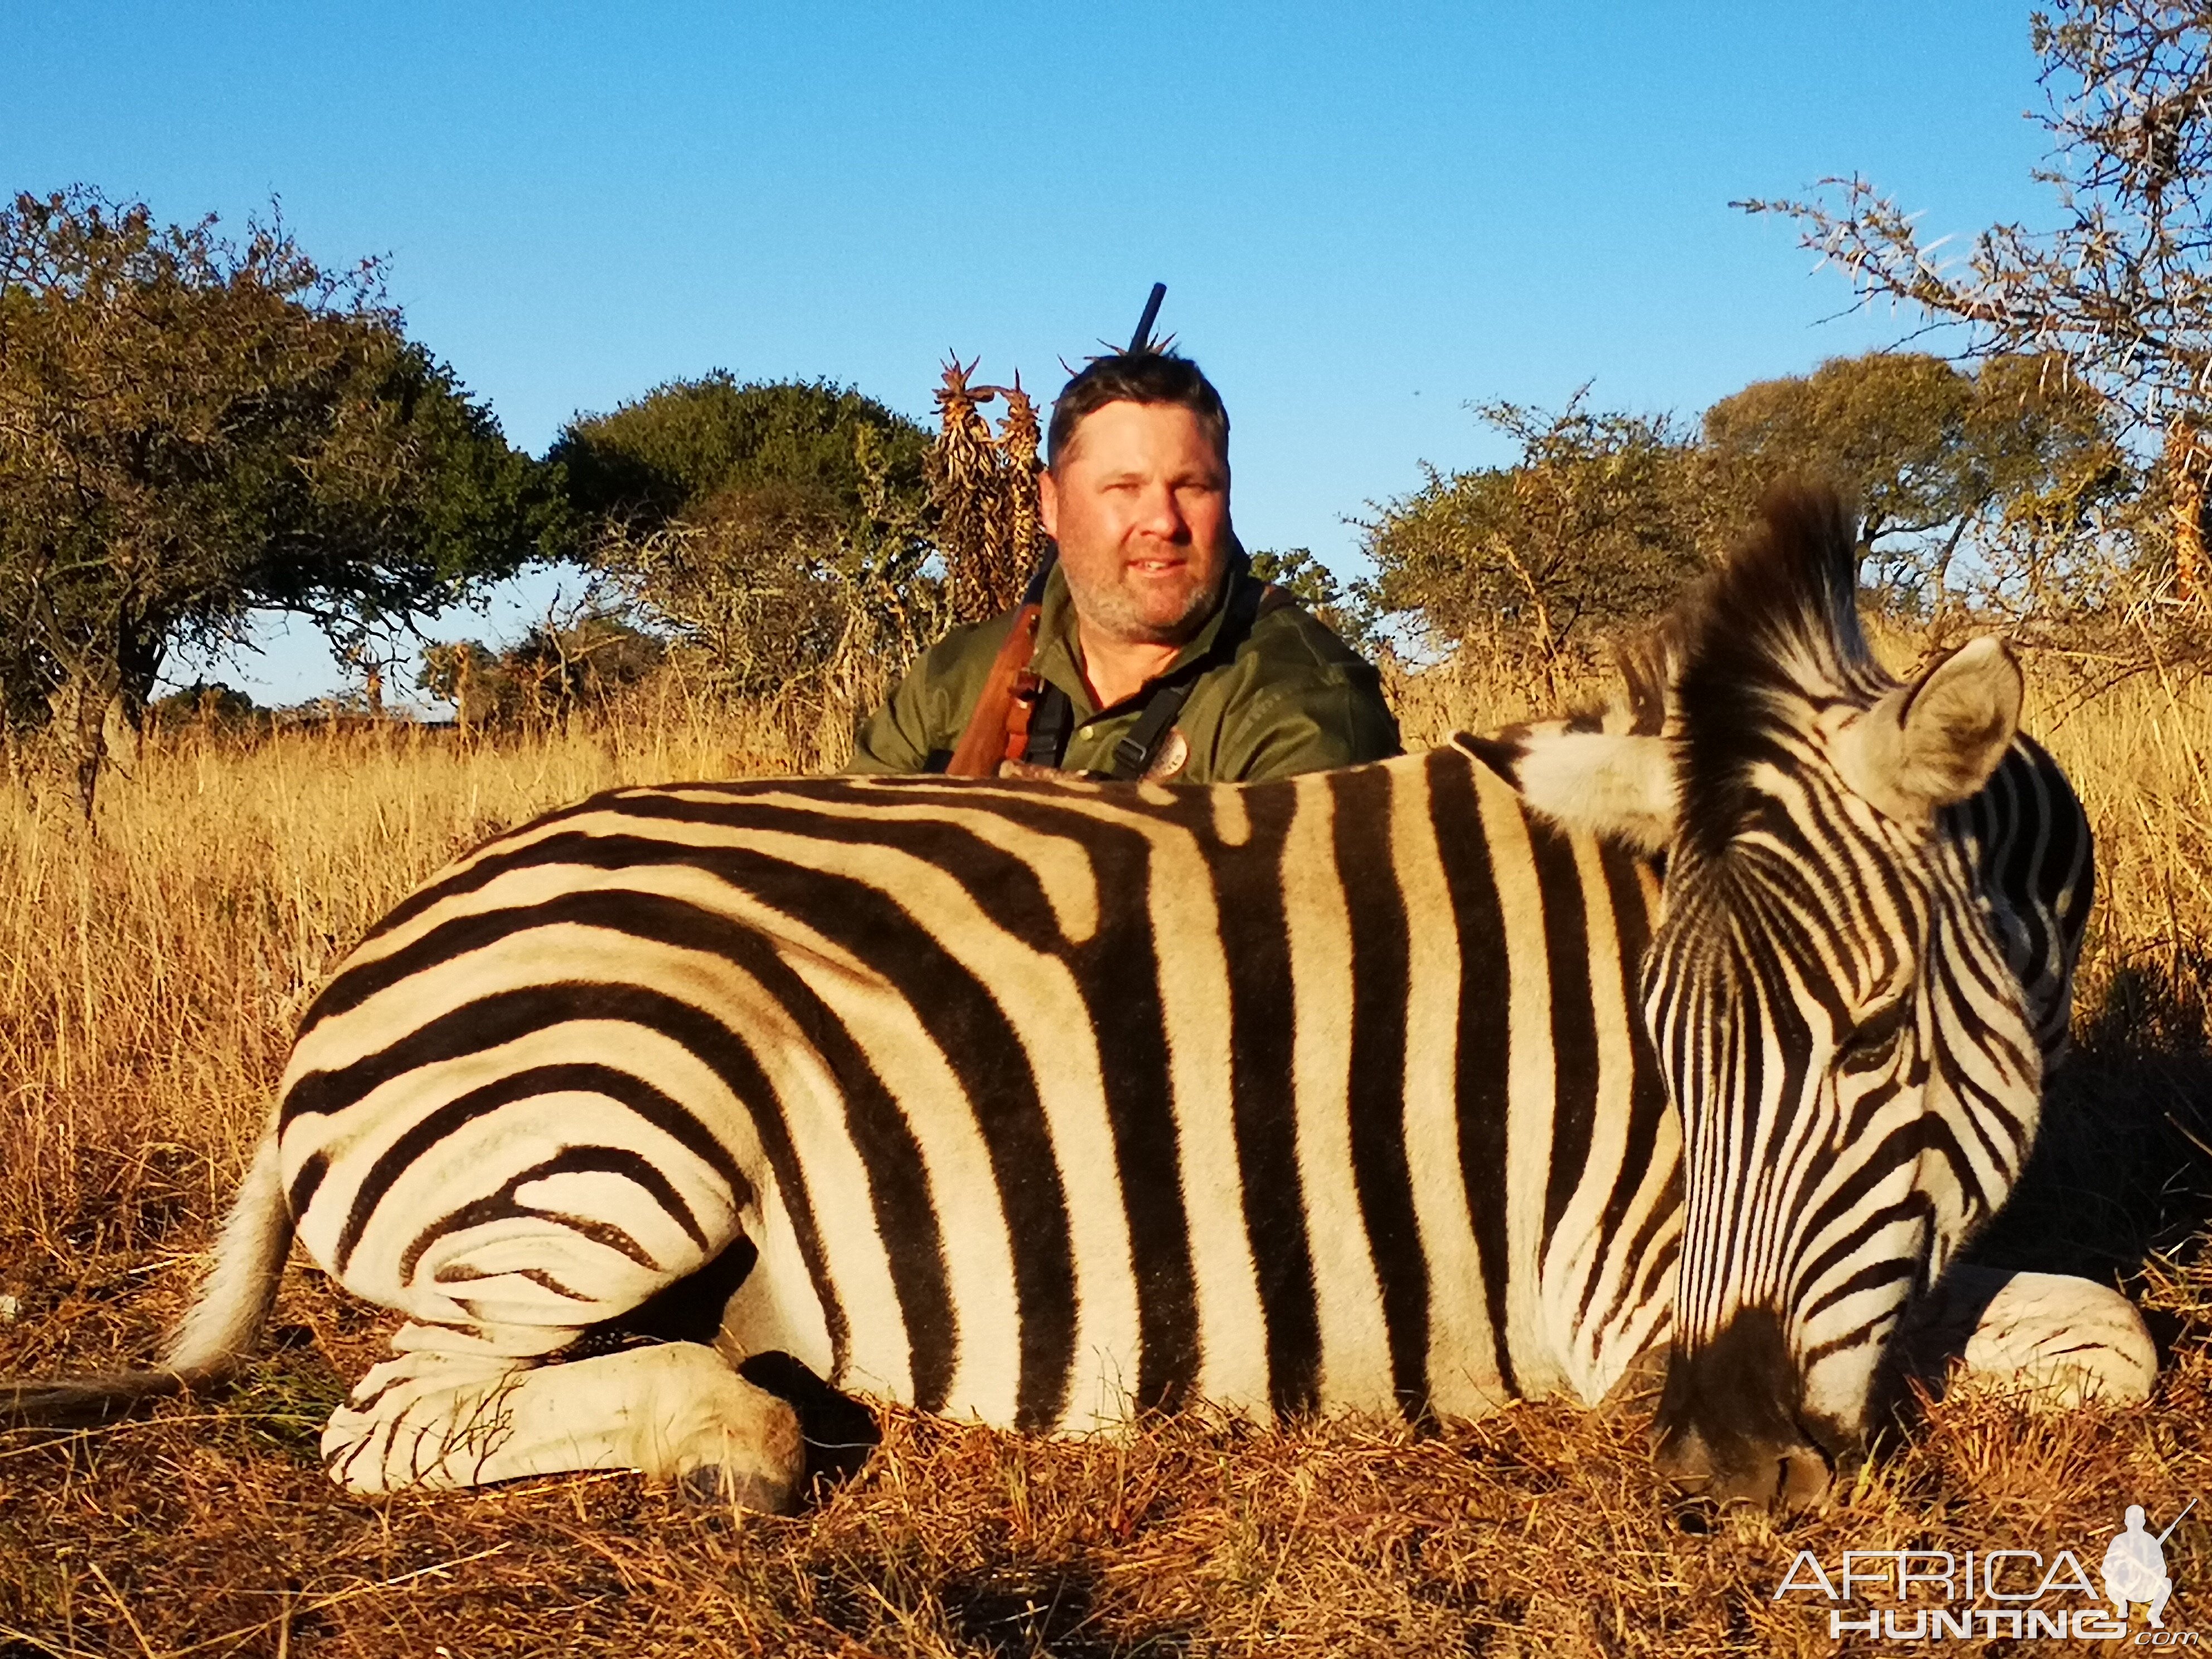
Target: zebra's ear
x=1935 y=742
x=1608 y=783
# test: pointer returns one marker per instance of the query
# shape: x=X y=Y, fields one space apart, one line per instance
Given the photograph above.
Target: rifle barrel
x=2178 y=1519
x=1143 y=334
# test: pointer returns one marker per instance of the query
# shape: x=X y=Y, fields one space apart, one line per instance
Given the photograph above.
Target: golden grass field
x=151 y=970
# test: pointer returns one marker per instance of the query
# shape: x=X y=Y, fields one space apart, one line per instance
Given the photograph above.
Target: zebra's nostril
x=1790 y=1472
x=1685 y=1459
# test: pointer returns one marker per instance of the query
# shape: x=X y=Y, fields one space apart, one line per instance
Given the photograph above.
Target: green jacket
x=1293 y=698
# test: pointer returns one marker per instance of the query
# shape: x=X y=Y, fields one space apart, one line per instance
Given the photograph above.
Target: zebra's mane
x=1646 y=663
x=1769 y=640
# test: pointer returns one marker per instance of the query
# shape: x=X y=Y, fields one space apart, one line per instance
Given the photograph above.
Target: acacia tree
x=2118 y=290
x=1604 y=516
x=192 y=428
x=562 y=666
x=671 y=454
x=1939 y=460
x=1348 y=612
x=778 y=530
x=1596 y=524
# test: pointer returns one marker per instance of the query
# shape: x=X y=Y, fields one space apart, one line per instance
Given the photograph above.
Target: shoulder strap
x=1133 y=756
x=1032 y=719
x=1249 y=600
x=1052 y=720
x=983 y=740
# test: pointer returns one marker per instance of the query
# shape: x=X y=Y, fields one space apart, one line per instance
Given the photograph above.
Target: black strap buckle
x=1133 y=755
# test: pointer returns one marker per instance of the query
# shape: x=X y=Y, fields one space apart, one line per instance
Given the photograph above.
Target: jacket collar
x=1058 y=657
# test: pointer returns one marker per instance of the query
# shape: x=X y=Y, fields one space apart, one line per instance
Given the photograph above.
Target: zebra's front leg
x=2049 y=1339
x=453 y=1413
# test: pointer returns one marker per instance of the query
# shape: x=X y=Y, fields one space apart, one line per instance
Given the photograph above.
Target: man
x=1157 y=654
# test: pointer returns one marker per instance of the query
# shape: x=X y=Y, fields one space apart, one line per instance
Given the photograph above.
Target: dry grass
x=149 y=976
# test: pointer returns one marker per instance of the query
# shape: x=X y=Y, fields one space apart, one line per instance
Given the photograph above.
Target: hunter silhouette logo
x=2135 y=1566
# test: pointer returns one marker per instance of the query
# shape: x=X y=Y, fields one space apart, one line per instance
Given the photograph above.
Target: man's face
x=1139 y=506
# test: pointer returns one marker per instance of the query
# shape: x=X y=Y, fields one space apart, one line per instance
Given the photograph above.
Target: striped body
x=1040 y=1103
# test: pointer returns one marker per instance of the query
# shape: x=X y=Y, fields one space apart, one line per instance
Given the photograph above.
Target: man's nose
x=1160 y=514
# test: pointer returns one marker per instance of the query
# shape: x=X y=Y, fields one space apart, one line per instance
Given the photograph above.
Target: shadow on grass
x=1043 y=1611
x=1016 y=1610
x=2122 y=1169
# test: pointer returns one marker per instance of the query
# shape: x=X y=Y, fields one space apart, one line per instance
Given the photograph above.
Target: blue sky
x=1366 y=216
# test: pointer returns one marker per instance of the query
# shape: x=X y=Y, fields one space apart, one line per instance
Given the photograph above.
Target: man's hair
x=1137 y=377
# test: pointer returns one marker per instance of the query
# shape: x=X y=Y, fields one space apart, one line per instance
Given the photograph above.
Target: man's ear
x=1935 y=742
x=1049 y=502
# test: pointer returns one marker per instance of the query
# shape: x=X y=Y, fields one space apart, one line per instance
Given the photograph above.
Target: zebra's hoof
x=712 y=1487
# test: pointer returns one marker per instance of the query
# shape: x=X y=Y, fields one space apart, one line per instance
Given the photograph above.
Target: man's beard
x=1112 y=608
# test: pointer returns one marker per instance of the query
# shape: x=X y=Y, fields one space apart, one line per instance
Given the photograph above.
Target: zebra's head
x=1831 y=1006
x=1833 y=1011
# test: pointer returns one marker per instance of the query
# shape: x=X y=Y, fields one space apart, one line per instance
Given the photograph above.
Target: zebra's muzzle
x=1727 y=1427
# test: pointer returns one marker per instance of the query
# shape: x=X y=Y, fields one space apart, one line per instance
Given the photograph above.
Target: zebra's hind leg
x=451 y=1409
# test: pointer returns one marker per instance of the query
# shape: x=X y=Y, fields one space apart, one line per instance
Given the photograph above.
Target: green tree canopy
x=192 y=428
x=1350 y=612
x=1597 y=523
x=778 y=530
x=1605 y=515
x=669 y=455
x=1939 y=458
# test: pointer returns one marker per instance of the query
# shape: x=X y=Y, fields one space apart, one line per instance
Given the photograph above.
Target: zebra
x=1051 y=1104
x=2025 y=830
x=1741 y=707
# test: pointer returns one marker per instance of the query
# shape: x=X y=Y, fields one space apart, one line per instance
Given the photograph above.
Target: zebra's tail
x=217 y=1332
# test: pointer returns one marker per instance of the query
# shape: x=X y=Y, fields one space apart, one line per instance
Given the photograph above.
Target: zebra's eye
x=1875 y=1043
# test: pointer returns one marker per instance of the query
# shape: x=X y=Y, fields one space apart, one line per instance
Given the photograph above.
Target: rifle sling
x=983 y=744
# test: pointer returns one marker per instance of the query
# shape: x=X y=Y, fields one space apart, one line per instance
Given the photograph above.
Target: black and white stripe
x=2026 y=831
x=1052 y=1101
x=1041 y=1103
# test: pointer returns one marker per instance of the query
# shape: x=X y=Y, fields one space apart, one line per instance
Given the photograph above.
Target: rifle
x=998 y=730
x=2178 y=1519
